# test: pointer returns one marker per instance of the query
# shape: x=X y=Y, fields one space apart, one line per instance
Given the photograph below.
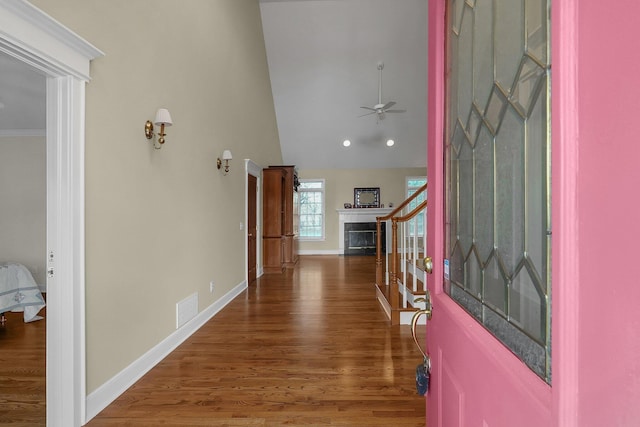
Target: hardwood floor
x=307 y=348
x=311 y=347
x=22 y=371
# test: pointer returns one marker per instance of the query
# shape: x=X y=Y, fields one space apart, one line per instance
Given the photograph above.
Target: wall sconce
x=226 y=156
x=163 y=118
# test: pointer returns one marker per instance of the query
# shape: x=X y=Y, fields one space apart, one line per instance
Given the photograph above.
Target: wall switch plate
x=211 y=286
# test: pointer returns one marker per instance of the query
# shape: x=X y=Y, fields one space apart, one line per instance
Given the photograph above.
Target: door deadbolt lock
x=428 y=265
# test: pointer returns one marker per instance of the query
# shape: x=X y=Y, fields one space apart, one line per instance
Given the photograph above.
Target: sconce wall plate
x=148 y=129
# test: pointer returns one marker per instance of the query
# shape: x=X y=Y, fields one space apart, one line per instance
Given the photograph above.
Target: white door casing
x=252 y=168
x=33 y=37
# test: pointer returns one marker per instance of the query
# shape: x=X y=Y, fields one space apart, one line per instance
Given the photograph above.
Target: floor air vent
x=186 y=310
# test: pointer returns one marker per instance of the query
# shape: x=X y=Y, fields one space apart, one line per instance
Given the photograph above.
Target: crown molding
x=23 y=27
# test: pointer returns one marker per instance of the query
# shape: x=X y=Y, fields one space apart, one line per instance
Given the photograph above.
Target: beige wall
x=23 y=203
x=339 y=185
x=161 y=224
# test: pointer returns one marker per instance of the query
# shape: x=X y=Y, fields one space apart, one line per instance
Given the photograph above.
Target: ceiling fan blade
x=395 y=111
x=368 y=114
x=388 y=105
x=369 y=108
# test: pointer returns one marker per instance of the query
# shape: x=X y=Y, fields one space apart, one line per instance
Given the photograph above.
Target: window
x=311 y=209
x=413 y=184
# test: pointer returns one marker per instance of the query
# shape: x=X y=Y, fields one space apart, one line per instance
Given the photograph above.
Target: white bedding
x=19 y=292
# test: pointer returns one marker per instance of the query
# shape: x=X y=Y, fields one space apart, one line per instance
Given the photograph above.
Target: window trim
x=323 y=210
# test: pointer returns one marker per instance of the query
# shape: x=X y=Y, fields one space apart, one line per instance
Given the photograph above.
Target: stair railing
x=408 y=252
x=409 y=239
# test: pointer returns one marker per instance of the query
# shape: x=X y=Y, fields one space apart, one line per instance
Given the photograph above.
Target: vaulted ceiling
x=323 y=57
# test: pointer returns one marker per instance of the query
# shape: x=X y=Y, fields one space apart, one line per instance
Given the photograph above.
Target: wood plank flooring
x=22 y=371
x=310 y=347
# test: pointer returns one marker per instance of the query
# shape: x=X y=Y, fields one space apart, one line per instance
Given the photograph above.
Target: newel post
x=393 y=290
x=378 y=253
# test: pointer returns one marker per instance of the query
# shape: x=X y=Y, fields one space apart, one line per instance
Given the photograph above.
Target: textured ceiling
x=323 y=57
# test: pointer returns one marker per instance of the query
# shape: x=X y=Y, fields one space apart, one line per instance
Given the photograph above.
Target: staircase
x=400 y=271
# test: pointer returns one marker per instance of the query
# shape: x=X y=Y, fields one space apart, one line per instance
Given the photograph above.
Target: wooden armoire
x=279 y=218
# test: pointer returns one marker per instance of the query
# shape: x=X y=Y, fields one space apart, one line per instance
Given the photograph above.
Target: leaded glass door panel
x=497 y=143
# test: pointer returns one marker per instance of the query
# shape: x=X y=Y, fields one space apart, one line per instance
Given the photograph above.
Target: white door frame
x=252 y=168
x=33 y=37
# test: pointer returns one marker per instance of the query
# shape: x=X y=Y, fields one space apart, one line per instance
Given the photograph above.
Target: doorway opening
x=64 y=59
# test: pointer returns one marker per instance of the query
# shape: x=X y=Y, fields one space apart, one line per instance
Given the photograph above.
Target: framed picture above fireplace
x=366 y=197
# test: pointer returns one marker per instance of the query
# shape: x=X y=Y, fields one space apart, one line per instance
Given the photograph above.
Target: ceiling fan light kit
x=381 y=108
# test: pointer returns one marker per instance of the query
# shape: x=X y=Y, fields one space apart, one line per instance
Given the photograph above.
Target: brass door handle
x=427 y=309
x=428 y=265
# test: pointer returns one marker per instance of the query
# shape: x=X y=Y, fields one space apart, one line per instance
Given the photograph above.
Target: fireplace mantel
x=358 y=215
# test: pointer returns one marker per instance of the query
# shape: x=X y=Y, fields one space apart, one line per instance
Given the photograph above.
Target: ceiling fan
x=381 y=108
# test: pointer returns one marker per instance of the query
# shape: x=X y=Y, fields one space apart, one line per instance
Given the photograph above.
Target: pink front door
x=476 y=379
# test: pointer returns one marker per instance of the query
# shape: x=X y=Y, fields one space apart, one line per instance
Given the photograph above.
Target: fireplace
x=360 y=238
x=360 y=215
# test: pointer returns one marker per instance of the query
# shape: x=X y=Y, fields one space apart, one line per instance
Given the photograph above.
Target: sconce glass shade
x=226 y=155
x=163 y=117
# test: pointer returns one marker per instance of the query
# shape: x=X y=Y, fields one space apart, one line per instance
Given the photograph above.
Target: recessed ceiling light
x=390 y=143
x=346 y=143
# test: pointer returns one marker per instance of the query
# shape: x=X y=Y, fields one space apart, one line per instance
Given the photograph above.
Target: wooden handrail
x=403 y=204
x=411 y=214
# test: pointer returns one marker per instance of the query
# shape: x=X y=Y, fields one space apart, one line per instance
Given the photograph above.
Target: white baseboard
x=319 y=252
x=109 y=391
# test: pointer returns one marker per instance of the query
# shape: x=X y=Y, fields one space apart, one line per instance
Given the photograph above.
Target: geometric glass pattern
x=496 y=107
x=498 y=237
x=473 y=123
x=527 y=85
